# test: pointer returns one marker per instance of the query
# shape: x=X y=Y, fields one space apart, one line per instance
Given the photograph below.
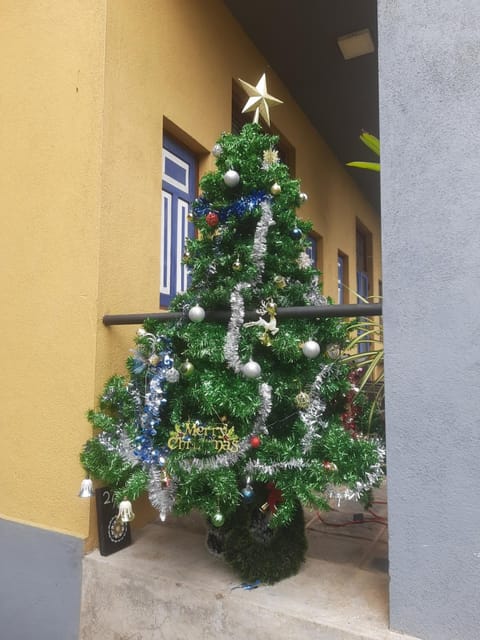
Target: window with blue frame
x=312 y=249
x=342 y=278
x=364 y=251
x=179 y=169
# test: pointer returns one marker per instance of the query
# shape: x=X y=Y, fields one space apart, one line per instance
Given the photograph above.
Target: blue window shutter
x=340 y=277
x=362 y=290
x=178 y=190
x=362 y=285
x=311 y=250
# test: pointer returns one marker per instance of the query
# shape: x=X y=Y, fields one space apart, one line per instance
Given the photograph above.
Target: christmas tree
x=245 y=421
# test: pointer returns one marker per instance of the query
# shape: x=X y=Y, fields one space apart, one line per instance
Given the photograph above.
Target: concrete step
x=167 y=586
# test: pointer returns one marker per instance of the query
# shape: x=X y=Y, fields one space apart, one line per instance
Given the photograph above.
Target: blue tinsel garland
x=245 y=204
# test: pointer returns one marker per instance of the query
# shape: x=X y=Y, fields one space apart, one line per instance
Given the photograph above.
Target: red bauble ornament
x=211 y=219
x=255 y=442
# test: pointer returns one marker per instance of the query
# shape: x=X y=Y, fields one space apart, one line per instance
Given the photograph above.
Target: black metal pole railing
x=323 y=311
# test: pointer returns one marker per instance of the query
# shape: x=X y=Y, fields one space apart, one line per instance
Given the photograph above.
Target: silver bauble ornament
x=311 y=349
x=303 y=197
x=172 y=375
x=217 y=150
x=251 y=369
x=275 y=189
x=196 y=313
x=231 y=178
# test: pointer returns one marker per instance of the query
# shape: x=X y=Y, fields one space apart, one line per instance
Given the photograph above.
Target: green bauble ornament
x=218 y=519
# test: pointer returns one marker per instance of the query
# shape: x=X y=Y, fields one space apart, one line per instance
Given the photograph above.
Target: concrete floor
x=166 y=586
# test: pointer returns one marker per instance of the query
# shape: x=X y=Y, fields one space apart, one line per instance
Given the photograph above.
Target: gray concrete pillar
x=429 y=67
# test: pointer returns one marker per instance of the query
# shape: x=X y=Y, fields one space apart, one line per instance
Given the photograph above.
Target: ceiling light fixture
x=354 y=45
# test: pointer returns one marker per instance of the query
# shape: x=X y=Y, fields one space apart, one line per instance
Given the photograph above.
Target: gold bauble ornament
x=275 y=189
x=237 y=265
x=186 y=369
x=333 y=351
x=280 y=282
x=302 y=400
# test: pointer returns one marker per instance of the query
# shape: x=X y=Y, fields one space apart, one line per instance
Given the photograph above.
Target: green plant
x=365 y=350
x=373 y=143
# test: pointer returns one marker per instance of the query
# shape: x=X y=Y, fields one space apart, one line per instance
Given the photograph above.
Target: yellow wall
x=51 y=98
x=84 y=201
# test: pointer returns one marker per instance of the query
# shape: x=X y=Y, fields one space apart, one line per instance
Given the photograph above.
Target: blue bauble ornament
x=248 y=493
x=296 y=233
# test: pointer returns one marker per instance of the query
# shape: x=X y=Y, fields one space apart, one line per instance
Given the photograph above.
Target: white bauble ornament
x=311 y=349
x=231 y=178
x=251 y=369
x=196 y=313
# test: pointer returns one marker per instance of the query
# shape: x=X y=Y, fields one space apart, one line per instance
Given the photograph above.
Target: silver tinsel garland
x=260 y=239
x=312 y=417
x=161 y=492
x=230 y=349
x=259 y=249
x=254 y=467
x=120 y=444
x=265 y=391
x=313 y=296
x=372 y=478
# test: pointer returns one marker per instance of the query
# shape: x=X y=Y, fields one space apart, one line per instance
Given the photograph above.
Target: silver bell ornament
x=251 y=369
x=231 y=178
x=86 y=489
x=311 y=349
x=196 y=313
x=125 y=511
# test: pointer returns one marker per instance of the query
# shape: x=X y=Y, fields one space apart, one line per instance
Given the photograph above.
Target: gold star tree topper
x=260 y=100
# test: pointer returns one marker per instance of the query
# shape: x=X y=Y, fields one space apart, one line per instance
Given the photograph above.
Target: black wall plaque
x=113 y=534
